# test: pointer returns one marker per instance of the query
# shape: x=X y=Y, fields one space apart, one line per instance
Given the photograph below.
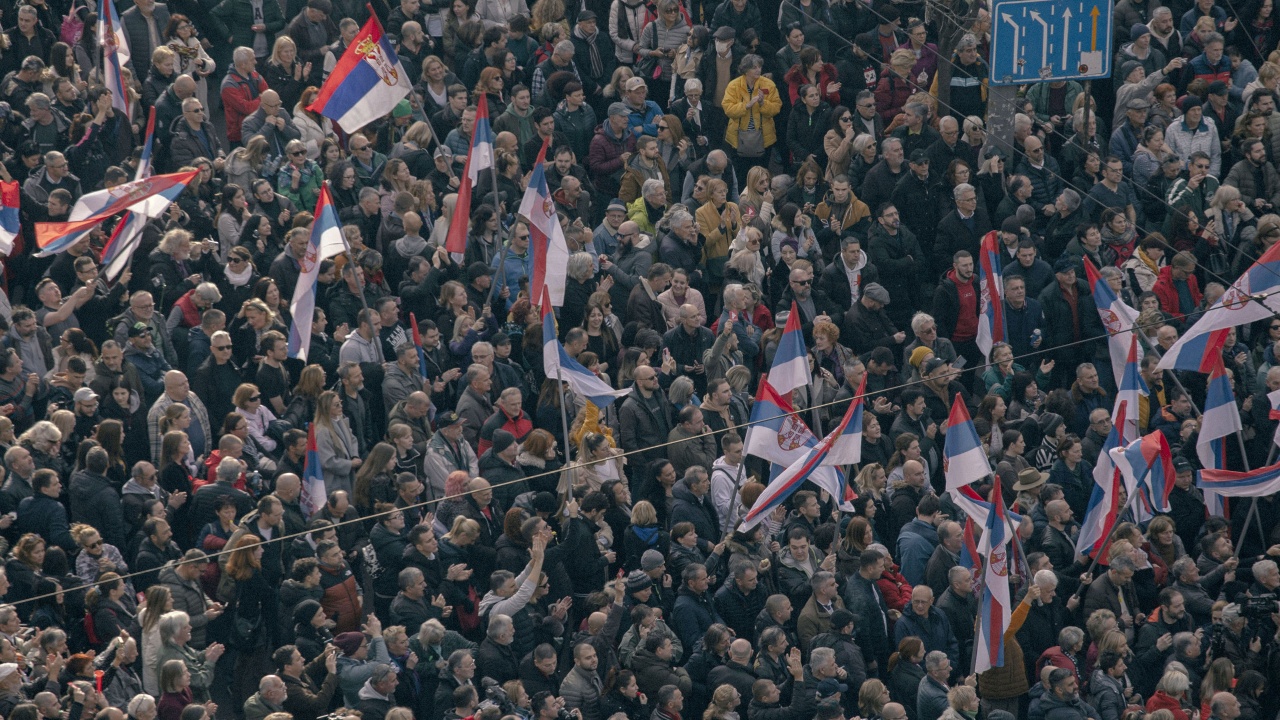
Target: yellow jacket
x=709 y=225
x=734 y=105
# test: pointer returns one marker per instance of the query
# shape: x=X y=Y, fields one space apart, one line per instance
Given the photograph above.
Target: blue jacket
x=692 y=616
x=934 y=630
x=916 y=544
x=515 y=269
x=645 y=121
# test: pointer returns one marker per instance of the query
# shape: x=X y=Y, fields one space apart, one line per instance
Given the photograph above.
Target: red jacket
x=891 y=94
x=1162 y=701
x=895 y=589
x=795 y=78
x=1056 y=658
x=1168 y=294
x=341 y=600
x=240 y=99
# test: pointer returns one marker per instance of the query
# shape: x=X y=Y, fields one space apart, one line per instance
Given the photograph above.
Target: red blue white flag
x=1251 y=298
x=557 y=364
x=1119 y=320
x=1221 y=418
x=546 y=238
x=1104 y=503
x=1147 y=467
x=367 y=82
x=115 y=55
x=313 y=491
x=847 y=448
x=53 y=238
x=791 y=360
x=992 y=328
x=964 y=462
x=10 y=215
x=1262 y=482
x=128 y=233
x=996 y=609
x=480 y=157
x=325 y=242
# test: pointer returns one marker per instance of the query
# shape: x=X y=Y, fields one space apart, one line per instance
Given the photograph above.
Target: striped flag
x=1257 y=483
x=326 y=241
x=479 y=158
x=417 y=343
x=115 y=55
x=1119 y=320
x=995 y=610
x=55 y=237
x=1221 y=418
x=128 y=233
x=1147 y=467
x=546 y=238
x=10 y=215
x=992 y=328
x=1104 y=503
x=790 y=361
x=313 y=491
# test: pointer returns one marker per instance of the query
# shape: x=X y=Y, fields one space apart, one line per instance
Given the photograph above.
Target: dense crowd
x=489 y=544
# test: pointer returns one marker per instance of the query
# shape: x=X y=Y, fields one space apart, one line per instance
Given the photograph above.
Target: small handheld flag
x=10 y=215
x=991 y=322
x=325 y=242
x=480 y=157
x=790 y=362
x=996 y=609
x=313 y=491
x=546 y=239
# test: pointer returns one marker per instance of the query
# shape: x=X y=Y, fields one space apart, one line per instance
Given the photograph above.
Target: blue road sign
x=1037 y=40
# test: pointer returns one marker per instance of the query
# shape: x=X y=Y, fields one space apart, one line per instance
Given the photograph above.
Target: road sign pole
x=1083 y=137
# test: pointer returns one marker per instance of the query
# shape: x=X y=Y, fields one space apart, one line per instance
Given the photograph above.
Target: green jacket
x=201 y=671
x=308 y=190
x=1039 y=97
x=519 y=125
x=239 y=14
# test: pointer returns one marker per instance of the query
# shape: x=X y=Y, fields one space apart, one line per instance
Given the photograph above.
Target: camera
x=1260 y=606
x=495 y=696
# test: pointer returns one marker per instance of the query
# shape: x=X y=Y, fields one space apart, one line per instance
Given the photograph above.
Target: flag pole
x=355 y=265
x=564 y=423
x=503 y=251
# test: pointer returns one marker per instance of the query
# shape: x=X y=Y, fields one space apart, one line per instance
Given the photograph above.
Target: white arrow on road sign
x=1066 y=32
x=1016 y=30
x=1044 y=38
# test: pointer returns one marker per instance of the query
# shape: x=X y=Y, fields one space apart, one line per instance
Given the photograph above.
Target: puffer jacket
x=740 y=116
x=653 y=672
x=341 y=599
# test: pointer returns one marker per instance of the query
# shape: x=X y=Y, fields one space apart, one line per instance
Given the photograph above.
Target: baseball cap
x=84 y=394
x=139 y=329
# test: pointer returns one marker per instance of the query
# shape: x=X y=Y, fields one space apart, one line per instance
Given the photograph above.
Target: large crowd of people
x=205 y=515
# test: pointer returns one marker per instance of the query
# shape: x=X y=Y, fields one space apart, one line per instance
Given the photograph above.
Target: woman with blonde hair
x=962 y=703
x=644 y=533
x=745 y=263
x=616 y=82
x=336 y=445
x=723 y=703
x=44 y=441
x=718 y=223
x=285 y=74
x=159 y=600
x=247 y=163
x=313 y=126
x=302 y=404
x=872 y=697
x=598 y=462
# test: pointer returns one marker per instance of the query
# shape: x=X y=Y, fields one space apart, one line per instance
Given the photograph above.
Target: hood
x=368 y=693
x=410 y=245
x=951 y=275
x=169 y=575
x=643 y=659
x=722 y=464
x=649 y=534
x=133 y=487
x=604 y=130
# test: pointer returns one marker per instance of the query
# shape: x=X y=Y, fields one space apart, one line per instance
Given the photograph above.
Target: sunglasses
x=801 y=282
x=256 y=398
x=221 y=347
x=296 y=153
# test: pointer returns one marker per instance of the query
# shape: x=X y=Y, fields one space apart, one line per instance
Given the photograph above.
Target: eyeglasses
x=196 y=110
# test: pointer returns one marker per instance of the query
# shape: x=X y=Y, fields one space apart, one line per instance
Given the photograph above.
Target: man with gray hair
x=962 y=228
x=561 y=60
x=474 y=407
x=495 y=658
x=882 y=178
x=931 y=695
x=715 y=166
x=195 y=137
x=241 y=90
x=1186 y=580
x=1114 y=591
x=55 y=174
x=269 y=698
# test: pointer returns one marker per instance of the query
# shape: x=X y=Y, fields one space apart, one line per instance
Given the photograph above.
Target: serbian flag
x=557 y=364
x=1118 y=318
x=128 y=233
x=994 y=613
x=546 y=239
x=479 y=158
x=115 y=55
x=1104 y=502
x=1221 y=418
x=417 y=343
x=1131 y=388
x=313 y=491
x=366 y=83
x=325 y=242
x=847 y=448
x=1262 y=482
x=1147 y=467
x=53 y=238
x=1274 y=399
x=808 y=466
x=991 y=323
x=10 y=206
x=964 y=462
x=775 y=432
x=1249 y=299
x=790 y=362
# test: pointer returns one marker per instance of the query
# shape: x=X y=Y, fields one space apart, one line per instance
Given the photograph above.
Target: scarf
x=238 y=279
x=594 y=64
